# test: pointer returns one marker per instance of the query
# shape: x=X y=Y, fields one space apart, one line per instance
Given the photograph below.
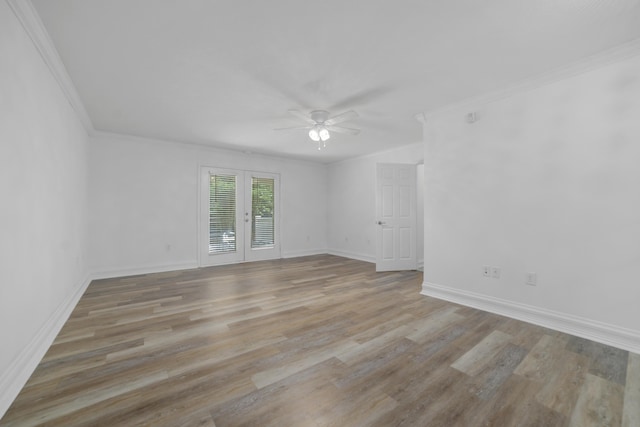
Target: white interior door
x=396 y=217
x=239 y=216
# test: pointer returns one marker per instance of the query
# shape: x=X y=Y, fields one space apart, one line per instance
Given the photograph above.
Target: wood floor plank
x=538 y=365
x=433 y=323
x=599 y=404
x=606 y=362
x=486 y=382
x=563 y=382
x=631 y=409
x=374 y=364
x=313 y=341
x=425 y=396
x=273 y=375
x=47 y=411
x=349 y=354
x=473 y=361
x=280 y=395
x=514 y=405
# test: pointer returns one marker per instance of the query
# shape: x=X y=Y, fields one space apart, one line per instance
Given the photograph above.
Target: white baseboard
x=359 y=257
x=310 y=252
x=122 y=272
x=626 y=339
x=17 y=374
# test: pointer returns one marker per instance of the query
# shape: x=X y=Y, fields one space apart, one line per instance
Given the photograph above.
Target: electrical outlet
x=486 y=271
x=495 y=272
x=531 y=278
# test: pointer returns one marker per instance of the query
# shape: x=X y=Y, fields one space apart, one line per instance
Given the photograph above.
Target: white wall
x=352 y=201
x=546 y=181
x=144 y=202
x=43 y=216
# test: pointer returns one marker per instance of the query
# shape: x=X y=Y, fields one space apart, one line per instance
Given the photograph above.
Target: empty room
x=292 y=213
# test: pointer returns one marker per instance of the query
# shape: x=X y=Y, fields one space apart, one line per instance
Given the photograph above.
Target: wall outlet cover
x=495 y=272
x=531 y=278
x=486 y=271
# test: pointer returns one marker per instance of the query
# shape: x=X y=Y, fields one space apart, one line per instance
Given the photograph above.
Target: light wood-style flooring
x=314 y=341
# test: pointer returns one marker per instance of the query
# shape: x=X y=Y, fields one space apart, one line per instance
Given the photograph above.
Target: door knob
x=381 y=223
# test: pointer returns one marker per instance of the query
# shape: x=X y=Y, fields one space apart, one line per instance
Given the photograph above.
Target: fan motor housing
x=319 y=116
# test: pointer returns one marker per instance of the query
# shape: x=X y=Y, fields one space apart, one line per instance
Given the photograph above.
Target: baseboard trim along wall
x=615 y=336
x=123 y=272
x=359 y=257
x=16 y=376
x=310 y=252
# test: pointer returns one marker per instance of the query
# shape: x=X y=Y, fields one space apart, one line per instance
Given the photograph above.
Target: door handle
x=381 y=223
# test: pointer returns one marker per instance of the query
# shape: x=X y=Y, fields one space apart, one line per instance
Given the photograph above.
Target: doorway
x=239 y=216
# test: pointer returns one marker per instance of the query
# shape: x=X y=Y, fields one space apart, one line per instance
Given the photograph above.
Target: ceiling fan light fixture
x=319 y=133
x=314 y=134
x=324 y=134
x=318 y=123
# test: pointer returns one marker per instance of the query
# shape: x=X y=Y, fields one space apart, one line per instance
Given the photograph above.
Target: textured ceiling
x=224 y=73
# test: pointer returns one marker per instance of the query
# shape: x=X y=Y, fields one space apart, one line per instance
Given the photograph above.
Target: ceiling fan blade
x=294 y=127
x=340 y=129
x=276 y=81
x=349 y=115
x=302 y=116
x=363 y=97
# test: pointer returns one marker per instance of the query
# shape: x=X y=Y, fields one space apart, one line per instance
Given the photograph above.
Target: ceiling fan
x=320 y=124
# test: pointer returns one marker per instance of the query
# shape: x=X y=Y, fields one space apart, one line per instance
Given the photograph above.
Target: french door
x=239 y=216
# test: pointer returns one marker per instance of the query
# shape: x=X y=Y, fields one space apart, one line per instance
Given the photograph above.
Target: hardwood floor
x=314 y=341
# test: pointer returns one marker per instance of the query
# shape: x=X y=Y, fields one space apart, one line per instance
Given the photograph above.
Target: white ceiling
x=225 y=72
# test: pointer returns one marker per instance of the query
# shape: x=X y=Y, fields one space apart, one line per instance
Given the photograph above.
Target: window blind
x=262 y=215
x=222 y=213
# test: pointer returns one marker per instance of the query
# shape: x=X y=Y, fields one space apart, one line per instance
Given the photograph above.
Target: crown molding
x=601 y=59
x=32 y=24
x=105 y=135
x=421 y=117
x=417 y=145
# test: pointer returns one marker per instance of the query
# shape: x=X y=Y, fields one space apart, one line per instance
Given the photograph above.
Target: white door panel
x=396 y=217
x=405 y=252
x=387 y=243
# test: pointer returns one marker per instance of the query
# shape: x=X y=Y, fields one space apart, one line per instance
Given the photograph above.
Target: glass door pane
x=222 y=213
x=221 y=225
x=262 y=212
